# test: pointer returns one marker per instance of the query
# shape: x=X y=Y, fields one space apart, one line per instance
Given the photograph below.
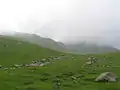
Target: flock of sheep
x=106 y=76
x=34 y=63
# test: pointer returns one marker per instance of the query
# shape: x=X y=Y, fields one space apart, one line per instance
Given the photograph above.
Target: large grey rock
x=107 y=76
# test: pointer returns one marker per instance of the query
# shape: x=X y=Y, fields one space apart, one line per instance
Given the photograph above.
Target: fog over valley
x=67 y=21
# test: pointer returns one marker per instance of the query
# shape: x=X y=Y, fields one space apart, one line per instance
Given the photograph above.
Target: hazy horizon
x=64 y=20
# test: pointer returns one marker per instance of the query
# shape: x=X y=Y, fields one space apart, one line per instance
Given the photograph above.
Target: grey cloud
x=66 y=20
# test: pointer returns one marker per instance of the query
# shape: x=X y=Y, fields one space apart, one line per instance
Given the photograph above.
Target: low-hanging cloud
x=64 y=20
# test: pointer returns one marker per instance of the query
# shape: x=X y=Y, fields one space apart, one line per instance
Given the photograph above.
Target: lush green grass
x=33 y=79
x=13 y=51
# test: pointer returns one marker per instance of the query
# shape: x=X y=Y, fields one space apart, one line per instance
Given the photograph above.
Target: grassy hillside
x=77 y=48
x=18 y=51
x=43 y=42
x=33 y=79
x=67 y=71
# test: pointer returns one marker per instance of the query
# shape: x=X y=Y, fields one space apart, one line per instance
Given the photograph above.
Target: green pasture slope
x=16 y=51
x=67 y=72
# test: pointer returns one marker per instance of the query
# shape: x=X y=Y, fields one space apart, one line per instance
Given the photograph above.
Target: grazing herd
x=91 y=60
x=106 y=76
x=34 y=63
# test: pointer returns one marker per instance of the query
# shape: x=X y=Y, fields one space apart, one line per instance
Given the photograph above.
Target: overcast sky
x=63 y=20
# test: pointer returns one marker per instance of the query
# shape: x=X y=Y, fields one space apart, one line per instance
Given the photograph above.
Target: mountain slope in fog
x=83 y=47
x=78 y=48
x=43 y=42
x=17 y=51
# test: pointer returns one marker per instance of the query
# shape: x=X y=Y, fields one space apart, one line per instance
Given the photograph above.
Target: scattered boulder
x=88 y=63
x=106 y=76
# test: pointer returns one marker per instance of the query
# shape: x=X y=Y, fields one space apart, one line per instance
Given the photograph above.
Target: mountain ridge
x=79 y=47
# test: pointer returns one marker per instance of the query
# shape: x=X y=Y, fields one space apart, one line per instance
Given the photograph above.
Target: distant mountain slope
x=18 y=51
x=78 y=48
x=90 y=48
x=43 y=42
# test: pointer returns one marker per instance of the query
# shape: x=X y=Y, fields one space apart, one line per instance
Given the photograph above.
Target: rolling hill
x=21 y=51
x=67 y=71
x=76 y=48
x=43 y=42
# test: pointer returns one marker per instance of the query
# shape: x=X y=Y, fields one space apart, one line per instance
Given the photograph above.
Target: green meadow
x=68 y=73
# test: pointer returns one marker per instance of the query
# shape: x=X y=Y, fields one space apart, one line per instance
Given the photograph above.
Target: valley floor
x=66 y=73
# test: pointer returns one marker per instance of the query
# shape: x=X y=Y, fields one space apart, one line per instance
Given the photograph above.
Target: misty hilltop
x=84 y=47
x=64 y=20
x=78 y=48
